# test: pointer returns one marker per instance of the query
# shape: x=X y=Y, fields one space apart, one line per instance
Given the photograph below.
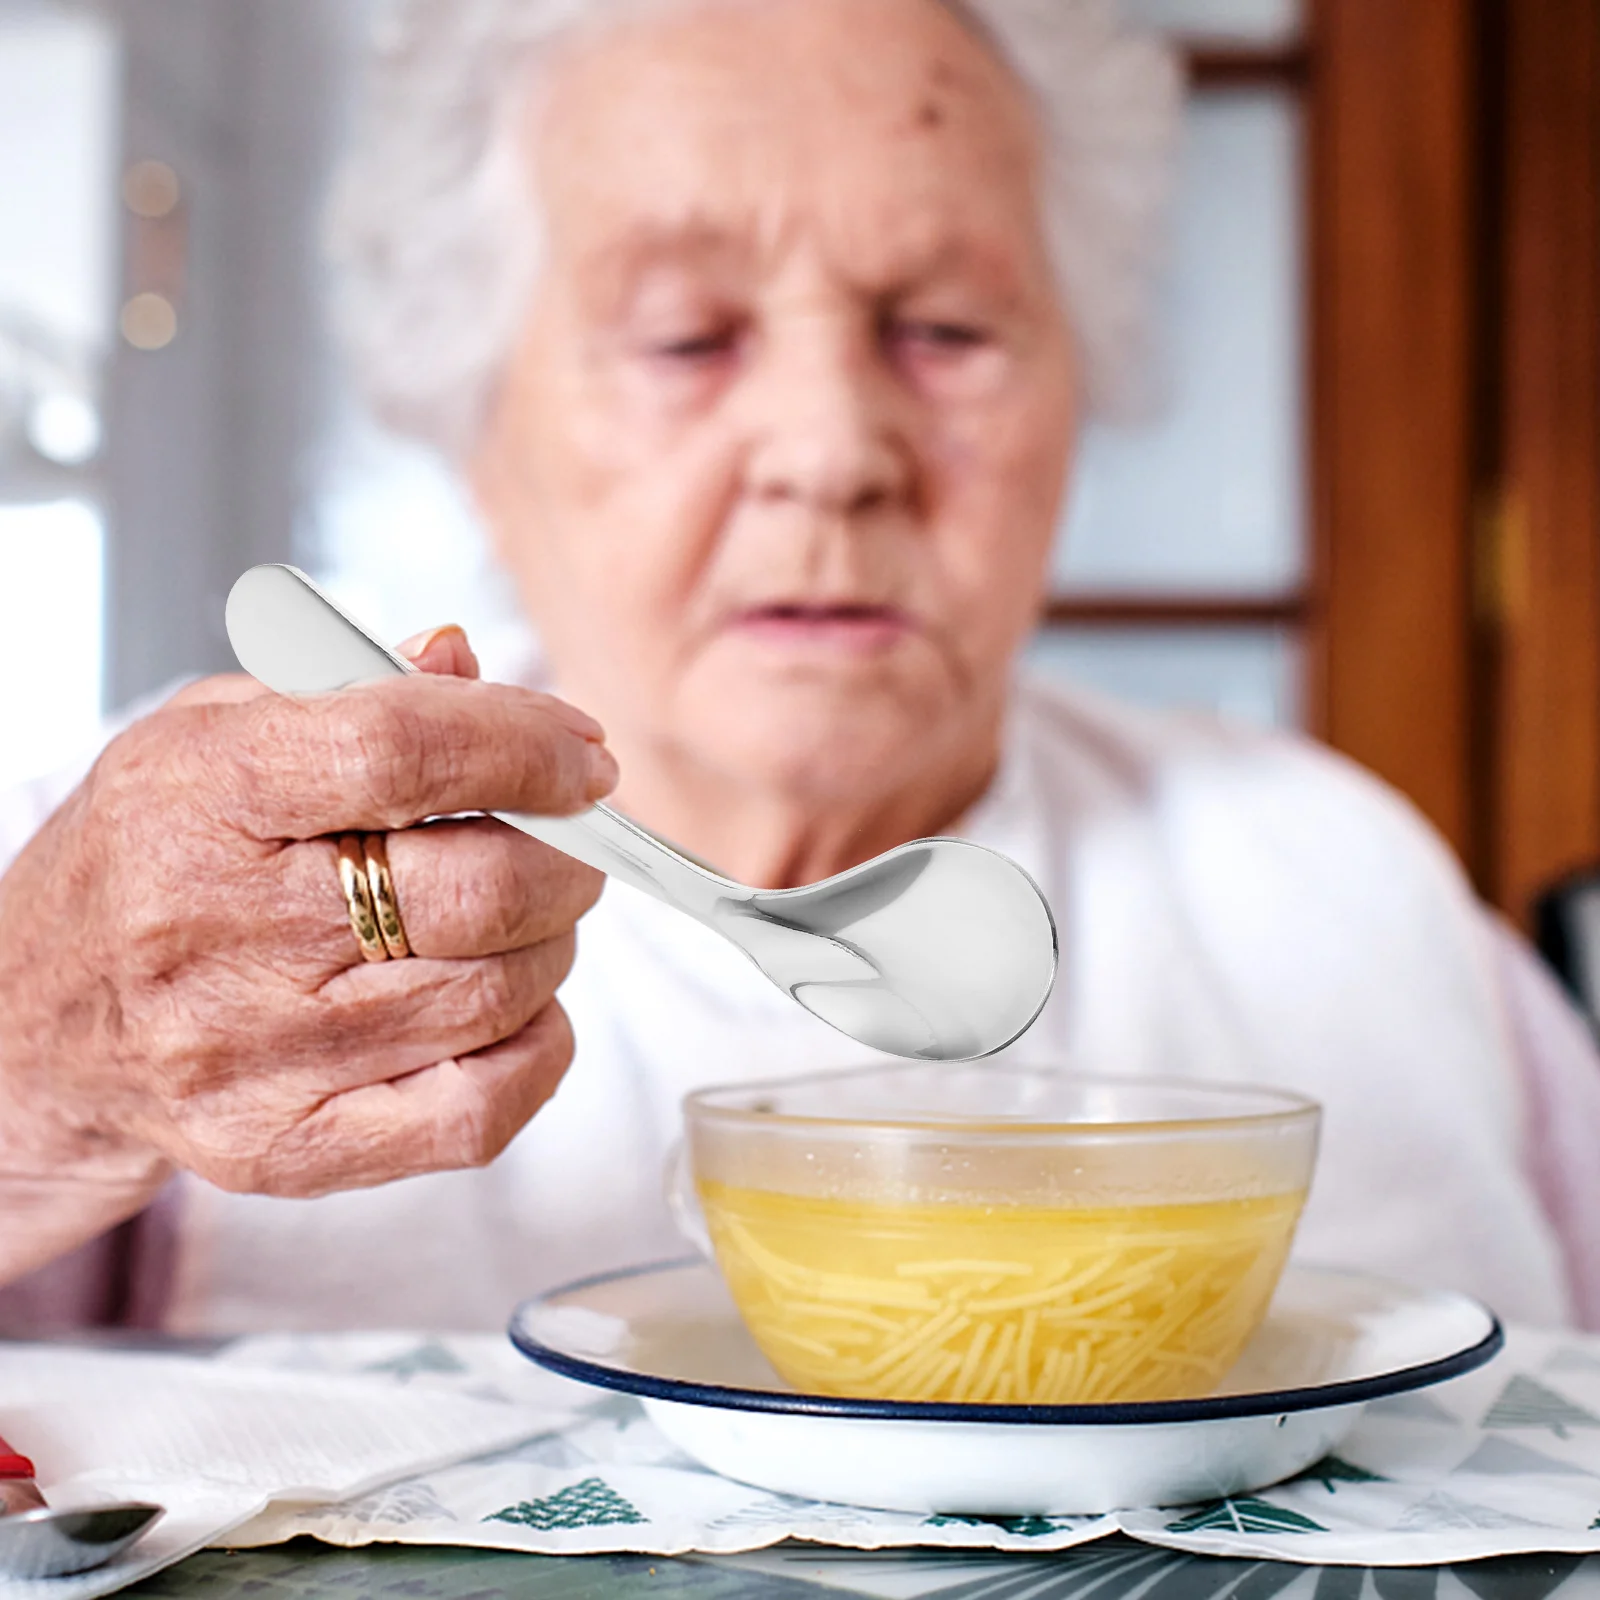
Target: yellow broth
x=999 y=1303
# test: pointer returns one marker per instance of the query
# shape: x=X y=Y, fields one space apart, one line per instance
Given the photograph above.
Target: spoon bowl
x=939 y=950
x=53 y=1543
x=947 y=927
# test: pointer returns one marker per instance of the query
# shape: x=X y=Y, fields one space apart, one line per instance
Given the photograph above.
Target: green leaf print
x=1523 y=1403
x=1025 y=1527
x=429 y=1356
x=1331 y=1471
x=590 y=1504
x=1245 y=1515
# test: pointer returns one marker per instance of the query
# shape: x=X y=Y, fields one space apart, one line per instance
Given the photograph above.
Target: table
x=1108 y=1570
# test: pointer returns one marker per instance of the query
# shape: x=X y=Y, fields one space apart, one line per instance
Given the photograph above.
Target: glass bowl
x=995 y=1233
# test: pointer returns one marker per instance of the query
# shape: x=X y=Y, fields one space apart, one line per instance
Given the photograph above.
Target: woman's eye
x=702 y=346
x=945 y=338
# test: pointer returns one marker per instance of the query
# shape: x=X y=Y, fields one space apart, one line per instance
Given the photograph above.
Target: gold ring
x=358 y=898
x=384 y=902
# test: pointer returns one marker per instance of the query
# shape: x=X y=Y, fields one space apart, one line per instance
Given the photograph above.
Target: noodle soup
x=999 y=1303
x=998 y=1234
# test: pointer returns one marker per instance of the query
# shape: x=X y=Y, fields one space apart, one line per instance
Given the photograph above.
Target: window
x=1185 y=554
x=57 y=220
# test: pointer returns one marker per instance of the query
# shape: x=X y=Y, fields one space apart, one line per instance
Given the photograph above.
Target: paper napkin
x=215 y=1441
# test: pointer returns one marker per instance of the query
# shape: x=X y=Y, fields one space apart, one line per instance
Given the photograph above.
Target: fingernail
x=417 y=645
x=580 y=722
x=603 y=771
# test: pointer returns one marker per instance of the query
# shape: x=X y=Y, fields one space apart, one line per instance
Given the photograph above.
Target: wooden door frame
x=1454 y=218
x=1391 y=298
x=1538 y=614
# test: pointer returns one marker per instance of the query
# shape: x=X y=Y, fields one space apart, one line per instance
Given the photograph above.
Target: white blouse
x=1233 y=905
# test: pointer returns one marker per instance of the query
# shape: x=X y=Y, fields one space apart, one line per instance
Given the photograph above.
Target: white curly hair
x=436 y=245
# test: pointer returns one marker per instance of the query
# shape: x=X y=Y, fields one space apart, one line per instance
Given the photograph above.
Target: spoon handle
x=18 y=1492
x=287 y=633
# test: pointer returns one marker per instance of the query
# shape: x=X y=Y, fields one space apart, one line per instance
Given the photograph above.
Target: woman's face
x=777 y=458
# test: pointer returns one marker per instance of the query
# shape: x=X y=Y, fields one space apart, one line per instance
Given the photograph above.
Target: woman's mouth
x=859 y=629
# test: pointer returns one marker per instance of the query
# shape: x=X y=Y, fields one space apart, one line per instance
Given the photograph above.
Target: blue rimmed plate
x=1331 y=1342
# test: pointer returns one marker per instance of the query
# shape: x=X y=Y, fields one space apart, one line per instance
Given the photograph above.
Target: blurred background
x=1366 y=504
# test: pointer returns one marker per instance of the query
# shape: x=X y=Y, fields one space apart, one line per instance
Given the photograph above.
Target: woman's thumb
x=443 y=650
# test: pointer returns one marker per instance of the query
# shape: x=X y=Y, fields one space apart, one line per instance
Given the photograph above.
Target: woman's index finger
x=386 y=755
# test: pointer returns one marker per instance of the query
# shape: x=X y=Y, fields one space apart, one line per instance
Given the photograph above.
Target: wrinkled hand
x=179 y=983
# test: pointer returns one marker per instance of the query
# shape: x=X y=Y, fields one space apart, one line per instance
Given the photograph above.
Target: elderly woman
x=761 y=330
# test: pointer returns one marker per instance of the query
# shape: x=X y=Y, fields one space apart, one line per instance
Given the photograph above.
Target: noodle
x=999 y=1303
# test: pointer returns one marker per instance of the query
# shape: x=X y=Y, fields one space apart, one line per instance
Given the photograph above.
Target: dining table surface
x=1110 y=1569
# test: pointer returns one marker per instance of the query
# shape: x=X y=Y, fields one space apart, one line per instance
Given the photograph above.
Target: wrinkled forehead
x=889 y=130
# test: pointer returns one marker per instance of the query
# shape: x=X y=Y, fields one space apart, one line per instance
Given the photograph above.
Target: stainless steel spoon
x=50 y=1543
x=938 y=949
x=44 y=1542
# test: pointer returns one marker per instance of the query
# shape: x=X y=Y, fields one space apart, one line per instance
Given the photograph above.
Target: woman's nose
x=825 y=432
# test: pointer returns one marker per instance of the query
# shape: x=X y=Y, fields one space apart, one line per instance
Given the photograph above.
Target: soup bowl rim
x=1286 y=1108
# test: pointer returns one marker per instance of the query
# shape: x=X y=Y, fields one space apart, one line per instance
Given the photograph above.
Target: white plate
x=1332 y=1341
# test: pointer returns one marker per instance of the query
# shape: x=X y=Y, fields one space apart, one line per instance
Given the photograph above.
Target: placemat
x=1503 y=1461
